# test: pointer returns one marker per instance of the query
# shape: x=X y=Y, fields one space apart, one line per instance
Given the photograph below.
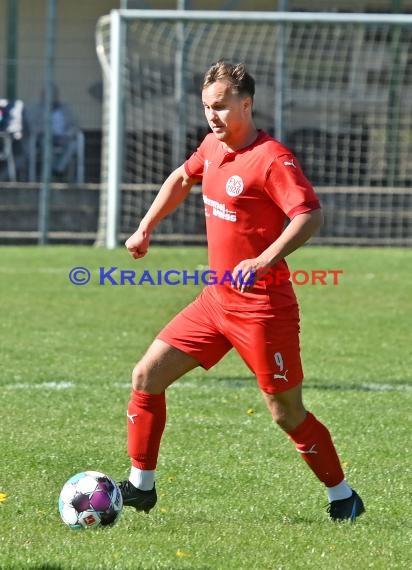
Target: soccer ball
x=90 y=499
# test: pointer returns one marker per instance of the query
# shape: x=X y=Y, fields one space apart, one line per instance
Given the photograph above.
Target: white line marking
x=387 y=387
x=42 y=386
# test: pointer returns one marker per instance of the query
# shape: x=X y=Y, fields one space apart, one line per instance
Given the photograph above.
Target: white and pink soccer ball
x=90 y=499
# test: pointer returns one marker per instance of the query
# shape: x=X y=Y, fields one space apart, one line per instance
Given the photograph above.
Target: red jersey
x=248 y=196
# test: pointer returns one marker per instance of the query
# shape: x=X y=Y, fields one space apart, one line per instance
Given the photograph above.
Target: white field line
x=42 y=386
x=387 y=387
x=66 y=270
x=28 y=270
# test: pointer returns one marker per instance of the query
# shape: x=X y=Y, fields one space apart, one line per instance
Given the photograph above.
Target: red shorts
x=267 y=340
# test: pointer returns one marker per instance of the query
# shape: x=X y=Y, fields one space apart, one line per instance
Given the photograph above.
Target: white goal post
x=336 y=88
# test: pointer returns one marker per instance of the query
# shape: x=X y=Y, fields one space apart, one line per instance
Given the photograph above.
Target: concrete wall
x=77 y=71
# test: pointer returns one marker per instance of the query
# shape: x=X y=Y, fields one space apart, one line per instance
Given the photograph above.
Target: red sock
x=313 y=441
x=146 y=420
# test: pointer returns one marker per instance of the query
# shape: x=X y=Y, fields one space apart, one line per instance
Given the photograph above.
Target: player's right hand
x=138 y=244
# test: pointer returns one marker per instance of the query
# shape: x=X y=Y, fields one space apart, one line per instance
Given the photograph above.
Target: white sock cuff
x=143 y=480
x=339 y=492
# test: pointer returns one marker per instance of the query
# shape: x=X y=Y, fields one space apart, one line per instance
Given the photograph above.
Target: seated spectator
x=64 y=132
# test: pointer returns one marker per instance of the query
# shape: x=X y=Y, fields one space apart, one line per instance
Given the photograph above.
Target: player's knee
x=286 y=408
x=286 y=418
x=280 y=413
x=138 y=377
x=142 y=378
x=287 y=421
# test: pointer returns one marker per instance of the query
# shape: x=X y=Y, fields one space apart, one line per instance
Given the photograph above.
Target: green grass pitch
x=233 y=493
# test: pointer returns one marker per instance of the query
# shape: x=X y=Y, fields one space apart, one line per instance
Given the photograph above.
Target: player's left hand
x=246 y=273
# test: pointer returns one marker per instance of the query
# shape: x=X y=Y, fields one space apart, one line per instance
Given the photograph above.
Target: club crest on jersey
x=234 y=186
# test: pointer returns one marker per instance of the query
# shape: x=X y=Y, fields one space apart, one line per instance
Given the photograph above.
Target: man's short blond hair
x=234 y=73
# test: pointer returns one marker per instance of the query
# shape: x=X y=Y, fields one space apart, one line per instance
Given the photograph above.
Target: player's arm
x=173 y=191
x=298 y=231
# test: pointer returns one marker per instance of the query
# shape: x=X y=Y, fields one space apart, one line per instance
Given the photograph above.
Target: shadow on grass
x=396 y=386
x=47 y=567
x=362 y=386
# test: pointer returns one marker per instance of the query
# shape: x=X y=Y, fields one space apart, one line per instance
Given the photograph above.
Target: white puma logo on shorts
x=281 y=376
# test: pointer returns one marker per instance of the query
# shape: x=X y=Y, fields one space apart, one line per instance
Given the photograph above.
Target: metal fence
x=336 y=88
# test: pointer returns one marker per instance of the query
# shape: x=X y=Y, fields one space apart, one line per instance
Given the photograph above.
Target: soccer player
x=251 y=186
